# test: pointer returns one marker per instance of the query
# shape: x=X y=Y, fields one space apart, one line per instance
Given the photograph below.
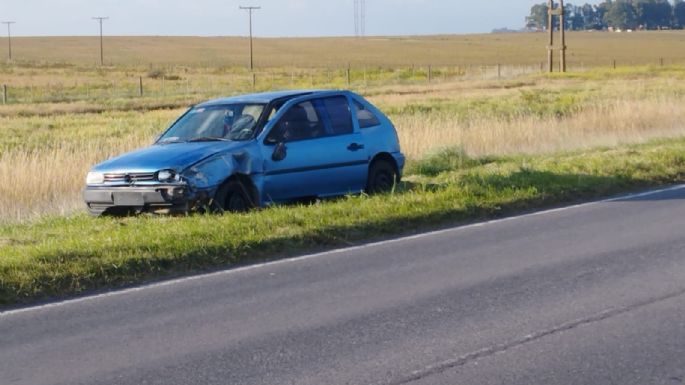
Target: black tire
x=383 y=177
x=233 y=197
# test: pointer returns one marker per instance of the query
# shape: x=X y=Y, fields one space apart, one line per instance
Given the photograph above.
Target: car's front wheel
x=234 y=197
x=382 y=177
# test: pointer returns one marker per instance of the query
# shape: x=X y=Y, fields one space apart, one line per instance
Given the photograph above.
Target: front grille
x=129 y=177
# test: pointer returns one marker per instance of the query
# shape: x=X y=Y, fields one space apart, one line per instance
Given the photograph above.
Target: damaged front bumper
x=171 y=199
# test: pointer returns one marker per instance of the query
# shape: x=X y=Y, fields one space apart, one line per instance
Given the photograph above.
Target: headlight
x=167 y=176
x=95 y=178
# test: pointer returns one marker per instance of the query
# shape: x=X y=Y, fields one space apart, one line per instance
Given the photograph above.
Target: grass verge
x=65 y=256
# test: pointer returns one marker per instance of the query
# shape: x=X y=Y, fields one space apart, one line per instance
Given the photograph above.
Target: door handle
x=355 y=147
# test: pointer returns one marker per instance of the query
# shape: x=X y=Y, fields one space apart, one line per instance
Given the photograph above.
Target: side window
x=301 y=122
x=340 y=115
x=366 y=118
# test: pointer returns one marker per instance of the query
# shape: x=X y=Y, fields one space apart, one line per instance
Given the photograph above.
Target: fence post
x=499 y=71
x=614 y=63
x=430 y=73
x=4 y=94
x=349 y=76
x=661 y=60
x=254 y=81
x=140 y=87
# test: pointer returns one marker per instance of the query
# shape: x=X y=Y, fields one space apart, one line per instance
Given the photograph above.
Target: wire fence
x=167 y=86
x=180 y=86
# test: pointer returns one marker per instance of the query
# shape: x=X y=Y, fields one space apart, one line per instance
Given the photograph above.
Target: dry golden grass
x=49 y=180
x=609 y=124
x=47 y=157
x=49 y=165
x=585 y=49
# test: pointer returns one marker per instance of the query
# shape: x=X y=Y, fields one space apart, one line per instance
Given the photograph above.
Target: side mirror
x=279 y=152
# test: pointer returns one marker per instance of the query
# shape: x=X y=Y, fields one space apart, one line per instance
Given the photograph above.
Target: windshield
x=223 y=122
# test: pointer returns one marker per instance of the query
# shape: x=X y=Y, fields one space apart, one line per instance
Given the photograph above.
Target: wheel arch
x=247 y=182
x=385 y=156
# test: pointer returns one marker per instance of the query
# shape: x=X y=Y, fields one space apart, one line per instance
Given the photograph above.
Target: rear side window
x=338 y=111
x=366 y=118
x=301 y=122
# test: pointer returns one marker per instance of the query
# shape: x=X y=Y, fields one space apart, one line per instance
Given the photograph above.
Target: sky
x=288 y=18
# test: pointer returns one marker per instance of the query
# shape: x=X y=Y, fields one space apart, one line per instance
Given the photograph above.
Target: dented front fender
x=210 y=173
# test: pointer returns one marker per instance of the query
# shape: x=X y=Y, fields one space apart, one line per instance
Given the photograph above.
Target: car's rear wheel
x=382 y=177
x=234 y=197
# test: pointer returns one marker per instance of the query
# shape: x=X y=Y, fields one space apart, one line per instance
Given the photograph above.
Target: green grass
x=54 y=257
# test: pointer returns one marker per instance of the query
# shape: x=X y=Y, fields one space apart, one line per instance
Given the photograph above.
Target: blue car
x=249 y=151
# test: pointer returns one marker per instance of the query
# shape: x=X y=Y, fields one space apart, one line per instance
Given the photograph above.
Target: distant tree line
x=622 y=14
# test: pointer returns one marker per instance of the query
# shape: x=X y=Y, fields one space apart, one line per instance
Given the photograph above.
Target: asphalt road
x=593 y=294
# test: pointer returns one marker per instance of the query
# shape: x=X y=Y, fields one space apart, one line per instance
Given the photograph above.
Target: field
x=585 y=49
x=481 y=141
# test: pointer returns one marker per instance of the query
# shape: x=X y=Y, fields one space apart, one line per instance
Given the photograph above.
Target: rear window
x=339 y=112
x=366 y=118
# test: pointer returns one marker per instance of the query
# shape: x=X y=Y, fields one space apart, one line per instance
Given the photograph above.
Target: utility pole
x=9 y=38
x=551 y=12
x=250 y=10
x=356 y=18
x=359 y=18
x=102 y=55
x=363 y=17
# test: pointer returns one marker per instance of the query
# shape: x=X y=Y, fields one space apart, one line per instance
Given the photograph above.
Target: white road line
x=327 y=253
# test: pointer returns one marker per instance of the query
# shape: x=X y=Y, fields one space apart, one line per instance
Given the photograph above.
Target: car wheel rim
x=236 y=203
x=383 y=181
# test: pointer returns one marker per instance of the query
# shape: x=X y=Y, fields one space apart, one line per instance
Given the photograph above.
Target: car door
x=313 y=150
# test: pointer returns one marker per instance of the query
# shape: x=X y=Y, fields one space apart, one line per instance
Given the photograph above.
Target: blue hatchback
x=250 y=151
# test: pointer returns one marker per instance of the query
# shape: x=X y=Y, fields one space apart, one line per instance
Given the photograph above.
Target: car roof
x=264 y=97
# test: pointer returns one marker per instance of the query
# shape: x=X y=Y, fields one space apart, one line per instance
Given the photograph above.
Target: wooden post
x=499 y=71
x=4 y=94
x=614 y=63
x=254 y=81
x=661 y=60
x=349 y=76
x=140 y=87
x=562 y=27
x=430 y=73
x=550 y=27
x=551 y=12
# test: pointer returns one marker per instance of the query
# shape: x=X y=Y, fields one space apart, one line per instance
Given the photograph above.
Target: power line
x=250 y=10
x=9 y=38
x=102 y=55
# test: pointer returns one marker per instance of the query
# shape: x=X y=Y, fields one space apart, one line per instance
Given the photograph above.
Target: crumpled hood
x=175 y=156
